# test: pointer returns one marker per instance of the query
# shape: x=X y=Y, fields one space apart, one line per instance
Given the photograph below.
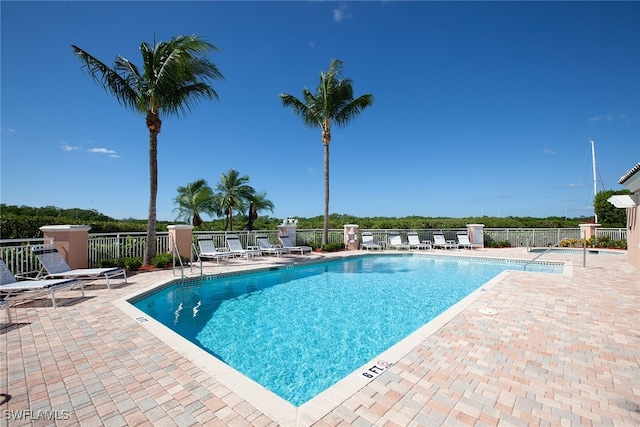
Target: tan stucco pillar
x=71 y=243
x=351 y=237
x=288 y=228
x=476 y=235
x=588 y=231
x=182 y=236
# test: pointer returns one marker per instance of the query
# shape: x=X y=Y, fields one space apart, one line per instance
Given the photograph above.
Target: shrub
x=162 y=260
x=110 y=262
x=129 y=263
x=132 y=263
x=332 y=247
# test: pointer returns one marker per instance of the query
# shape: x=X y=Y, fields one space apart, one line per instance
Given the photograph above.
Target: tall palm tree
x=234 y=193
x=332 y=103
x=193 y=199
x=174 y=75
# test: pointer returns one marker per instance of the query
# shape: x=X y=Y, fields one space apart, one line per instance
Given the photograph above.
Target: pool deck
x=525 y=349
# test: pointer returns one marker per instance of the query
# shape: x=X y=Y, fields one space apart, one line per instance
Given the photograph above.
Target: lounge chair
x=10 y=286
x=395 y=242
x=209 y=251
x=266 y=247
x=463 y=241
x=415 y=243
x=368 y=242
x=440 y=242
x=287 y=243
x=235 y=247
x=57 y=267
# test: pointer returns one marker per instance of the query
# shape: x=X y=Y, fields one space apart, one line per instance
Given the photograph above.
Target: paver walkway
x=556 y=350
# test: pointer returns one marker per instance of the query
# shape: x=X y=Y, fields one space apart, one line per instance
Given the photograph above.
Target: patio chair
x=56 y=267
x=10 y=286
x=415 y=243
x=368 y=242
x=440 y=242
x=209 y=251
x=395 y=242
x=287 y=243
x=463 y=241
x=266 y=247
x=235 y=247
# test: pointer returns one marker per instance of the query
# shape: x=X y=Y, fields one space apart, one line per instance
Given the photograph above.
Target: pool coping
x=274 y=406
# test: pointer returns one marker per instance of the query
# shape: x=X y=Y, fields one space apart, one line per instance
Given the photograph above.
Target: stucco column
x=351 y=237
x=182 y=236
x=476 y=235
x=288 y=228
x=588 y=231
x=71 y=243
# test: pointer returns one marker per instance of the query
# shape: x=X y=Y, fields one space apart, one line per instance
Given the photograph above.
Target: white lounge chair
x=440 y=242
x=415 y=243
x=56 y=267
x=368 y=242
x=235 y=246
x=266 y=247
x=463 y=241
x=395 y=242
x=10 y=286
x=209 y=251
x=287 y=243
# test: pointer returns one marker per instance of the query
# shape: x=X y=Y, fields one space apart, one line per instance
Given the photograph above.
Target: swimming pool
x=299 y=330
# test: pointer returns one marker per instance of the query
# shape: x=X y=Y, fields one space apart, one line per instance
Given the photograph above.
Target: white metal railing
x=612 y=233
x=122 y=245
x=16 y=253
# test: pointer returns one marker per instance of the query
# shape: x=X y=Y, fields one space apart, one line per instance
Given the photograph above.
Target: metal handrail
x=199 y=259
x=539 y=255
x=175 y=251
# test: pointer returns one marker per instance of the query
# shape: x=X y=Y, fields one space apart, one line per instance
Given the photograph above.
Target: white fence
x=16 y=253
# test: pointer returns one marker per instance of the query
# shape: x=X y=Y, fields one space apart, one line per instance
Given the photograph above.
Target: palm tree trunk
x=154 y=124
x=325 y=226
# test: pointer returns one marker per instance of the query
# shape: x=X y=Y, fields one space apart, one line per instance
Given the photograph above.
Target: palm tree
x=174 y=75
x=333 y=102
x=261 y=203
x=234 y=193
x=192 y=200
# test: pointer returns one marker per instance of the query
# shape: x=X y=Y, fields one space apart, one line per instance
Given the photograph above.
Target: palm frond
x=108 y=78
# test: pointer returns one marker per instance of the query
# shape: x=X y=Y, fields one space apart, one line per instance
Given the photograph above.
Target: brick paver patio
x=548 y=349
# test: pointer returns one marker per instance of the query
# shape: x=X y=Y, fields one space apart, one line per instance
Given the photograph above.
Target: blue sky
x=481 y=108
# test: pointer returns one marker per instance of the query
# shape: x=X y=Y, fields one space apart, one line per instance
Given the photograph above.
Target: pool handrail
x=539 y=255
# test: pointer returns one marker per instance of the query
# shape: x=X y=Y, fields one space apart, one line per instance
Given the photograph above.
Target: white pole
x=595 y=190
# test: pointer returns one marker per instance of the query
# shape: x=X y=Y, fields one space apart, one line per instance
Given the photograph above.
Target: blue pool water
x=299 y=330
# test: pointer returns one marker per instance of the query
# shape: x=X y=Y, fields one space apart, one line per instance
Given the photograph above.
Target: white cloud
x=575 y=185
x=604 y=117
x=67 y=147
x=339 y=14
x=104 y=151
x=548 y=151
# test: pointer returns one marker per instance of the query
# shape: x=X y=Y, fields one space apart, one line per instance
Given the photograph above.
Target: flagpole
x=595 y=190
